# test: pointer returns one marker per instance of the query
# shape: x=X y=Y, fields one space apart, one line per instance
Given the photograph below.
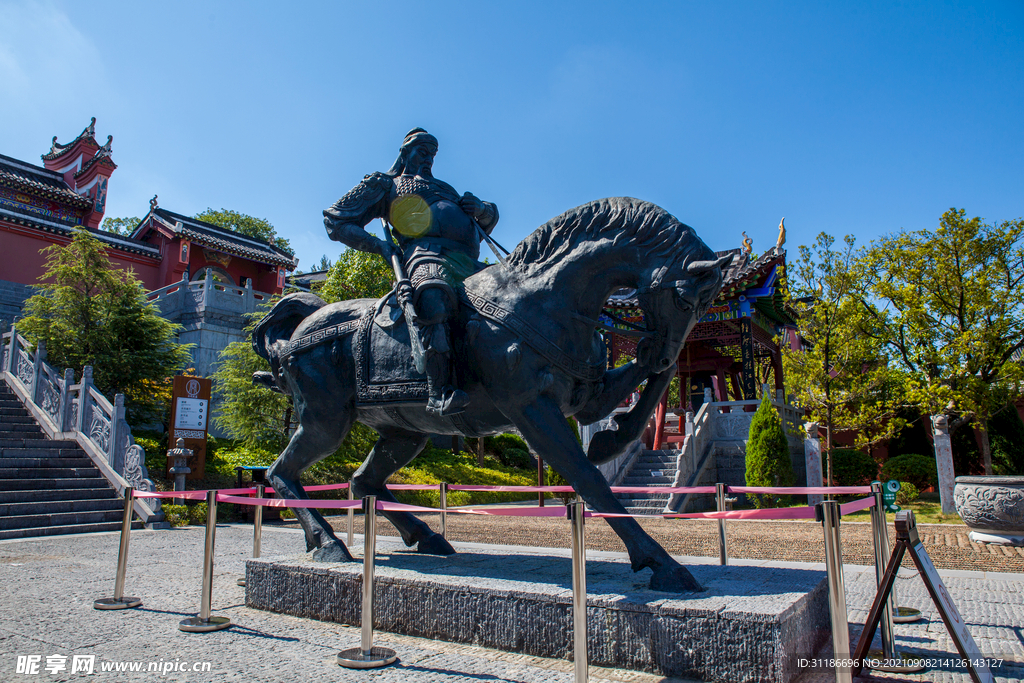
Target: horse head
x=676 y=297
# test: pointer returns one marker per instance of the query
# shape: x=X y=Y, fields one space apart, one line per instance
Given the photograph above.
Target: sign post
x=190 y=412
x=907 y=540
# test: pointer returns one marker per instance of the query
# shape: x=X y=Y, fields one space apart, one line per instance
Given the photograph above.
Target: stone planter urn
x=993 y=508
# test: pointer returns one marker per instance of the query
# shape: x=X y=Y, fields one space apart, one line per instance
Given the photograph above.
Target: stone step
x=648 y=481
x=46 y=463
x=69 y=451
x=50 y=483
x=65 y=529
x=53 y=507
x=28 y=496
x=59 y=519
x=49 y=472
x=9 y=420
x=32 y=442
x=12 y=411
x=20 y=431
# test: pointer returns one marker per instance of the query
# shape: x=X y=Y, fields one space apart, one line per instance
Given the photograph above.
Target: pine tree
x=88 y=312
x=767 y=461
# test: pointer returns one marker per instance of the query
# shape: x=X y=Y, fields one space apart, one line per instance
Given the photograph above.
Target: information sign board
x=190 y=417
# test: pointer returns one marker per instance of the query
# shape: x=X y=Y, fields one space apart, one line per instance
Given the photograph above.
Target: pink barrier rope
x=191 y=495
x=857 y=505
x=511 y=489
x=293 y=503
x=799 y=490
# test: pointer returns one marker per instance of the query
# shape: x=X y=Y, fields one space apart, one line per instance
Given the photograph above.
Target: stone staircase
x=652 y=468
x=48 y=487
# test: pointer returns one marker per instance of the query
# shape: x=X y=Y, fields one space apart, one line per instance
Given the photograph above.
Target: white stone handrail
x=69 y=411
x=206 y=293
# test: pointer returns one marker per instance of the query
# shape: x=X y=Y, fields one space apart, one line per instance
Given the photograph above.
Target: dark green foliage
x=88 y=312
x=852 y=468
x=767 y=461
x=120 y=226
x=919 y=470
x=518 y=458
x=1007 y=434
x=913 y=438
x=966 y=454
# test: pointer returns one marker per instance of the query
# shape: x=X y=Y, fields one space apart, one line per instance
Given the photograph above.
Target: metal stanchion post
x=723 y=549
x=257 y=528
x=828 y=514
x=889 y=658
x=579 y=592
x=366 y=656
x=443 y=486
x=351 y=515
x=119 y=601
x=204 y=622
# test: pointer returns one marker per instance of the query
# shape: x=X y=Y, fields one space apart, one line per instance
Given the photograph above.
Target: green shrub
x=907 y=493
x=175 y=515
x=518 y=458
x=197 y=513
x=767 y=461
x=851 y=467
x=916 y=469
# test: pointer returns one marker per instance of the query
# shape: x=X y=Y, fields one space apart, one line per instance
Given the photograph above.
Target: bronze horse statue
x=528 y=354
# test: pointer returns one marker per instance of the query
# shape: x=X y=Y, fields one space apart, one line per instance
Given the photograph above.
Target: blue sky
x=847 y=117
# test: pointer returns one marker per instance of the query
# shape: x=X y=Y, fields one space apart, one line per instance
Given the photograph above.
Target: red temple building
x=200 y=275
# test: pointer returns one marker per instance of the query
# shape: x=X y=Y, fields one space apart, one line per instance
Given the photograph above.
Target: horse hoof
x=332 y=552
x=435 y=545
x=674 y=579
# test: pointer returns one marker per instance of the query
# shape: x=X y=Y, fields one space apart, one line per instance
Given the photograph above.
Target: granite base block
x=750 y=624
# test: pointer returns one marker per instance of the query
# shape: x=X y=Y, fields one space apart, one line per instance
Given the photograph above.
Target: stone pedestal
x=751 y=624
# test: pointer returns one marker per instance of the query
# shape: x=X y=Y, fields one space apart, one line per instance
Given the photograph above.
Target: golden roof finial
x=782 y=234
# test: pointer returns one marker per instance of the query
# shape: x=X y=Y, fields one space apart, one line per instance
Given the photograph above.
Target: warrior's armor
x=439 y=235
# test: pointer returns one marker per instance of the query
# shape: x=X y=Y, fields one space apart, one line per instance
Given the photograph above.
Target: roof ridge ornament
x=153 y=206
x=782 y=235
x=748 y=244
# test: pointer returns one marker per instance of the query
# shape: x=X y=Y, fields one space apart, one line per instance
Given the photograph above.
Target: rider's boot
x=443 y=399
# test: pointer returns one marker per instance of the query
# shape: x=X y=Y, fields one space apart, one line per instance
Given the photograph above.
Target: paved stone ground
x=47 y=586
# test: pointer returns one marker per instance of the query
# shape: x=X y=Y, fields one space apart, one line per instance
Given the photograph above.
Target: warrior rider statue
x=438 y=234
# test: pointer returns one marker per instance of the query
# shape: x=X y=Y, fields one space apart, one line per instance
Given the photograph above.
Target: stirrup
x=452 y=402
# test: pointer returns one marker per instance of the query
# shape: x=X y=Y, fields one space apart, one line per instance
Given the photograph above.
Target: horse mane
x=624 y=219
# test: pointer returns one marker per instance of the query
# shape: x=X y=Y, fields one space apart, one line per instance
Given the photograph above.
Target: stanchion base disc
x=111 y=603
x=353 y=658
x=240 y=582
x=197 y=625
x=898 y=663
x=906 y=615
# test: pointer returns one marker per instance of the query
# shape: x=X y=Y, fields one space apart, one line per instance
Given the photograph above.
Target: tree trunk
x=986 y=448
x=480 y=451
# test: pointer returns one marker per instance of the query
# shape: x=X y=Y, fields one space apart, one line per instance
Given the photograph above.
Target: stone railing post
x=184 y=296
x=208 y=289
x=115 y=453
x=709 y=395
x=812 y=461
x=689 y=432
x=944 y=463
x=249 y=301
x=83 y=397
x=37 y=370
x=11 y=350
x=64 y=421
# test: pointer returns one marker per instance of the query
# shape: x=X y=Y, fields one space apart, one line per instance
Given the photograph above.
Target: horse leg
x=305 y=448
x=548 y=433
x=609 y=444
x=395 y=449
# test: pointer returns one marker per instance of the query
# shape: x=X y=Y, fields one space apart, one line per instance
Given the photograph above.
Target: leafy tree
x=843 y=377
x=121 y=226
x=325 y=263
x=260 y=228
x=767 y=460
x=88 y=312
x=950 y=311
x=357 y=275
x=913 y=438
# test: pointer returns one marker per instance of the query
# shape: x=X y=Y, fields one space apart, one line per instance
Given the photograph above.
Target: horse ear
x=702 y=267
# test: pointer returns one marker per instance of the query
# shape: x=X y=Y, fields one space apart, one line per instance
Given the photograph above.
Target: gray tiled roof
x=40 y=182
x=222 y=239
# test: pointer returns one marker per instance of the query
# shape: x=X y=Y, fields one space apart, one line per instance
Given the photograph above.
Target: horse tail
x=273 y=332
